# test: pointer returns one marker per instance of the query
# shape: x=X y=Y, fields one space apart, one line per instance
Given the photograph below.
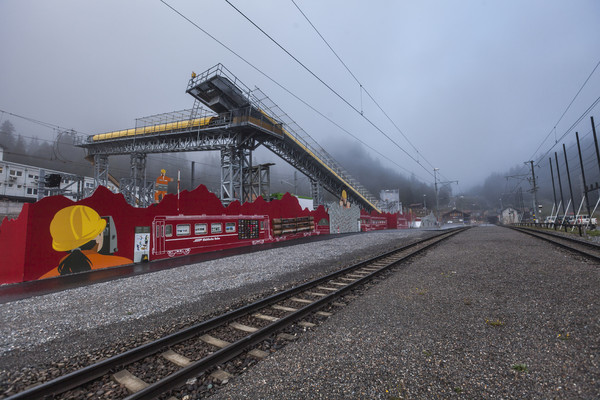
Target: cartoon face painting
x=78 y=230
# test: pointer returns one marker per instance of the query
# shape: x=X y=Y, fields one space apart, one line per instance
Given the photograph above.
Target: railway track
x=579 y=246
x=158 y=369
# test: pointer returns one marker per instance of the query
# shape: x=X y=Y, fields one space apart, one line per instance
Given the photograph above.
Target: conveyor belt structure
x=236 y=118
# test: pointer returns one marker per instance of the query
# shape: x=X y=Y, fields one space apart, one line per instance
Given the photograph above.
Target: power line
x=287 y=90
x=326 y=85
x=42 y=123
x=563 y=114
x=357 y=81
x=330 y=48
x=583 y=115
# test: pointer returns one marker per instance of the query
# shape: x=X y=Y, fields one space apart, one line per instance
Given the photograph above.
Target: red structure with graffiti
x=197 y=223
x=56 y=236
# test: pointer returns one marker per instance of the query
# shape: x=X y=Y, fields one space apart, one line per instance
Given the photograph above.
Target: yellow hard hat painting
x=74 y=226
x=79 y=231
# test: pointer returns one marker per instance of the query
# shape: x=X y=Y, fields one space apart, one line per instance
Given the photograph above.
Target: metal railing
x=264 y=103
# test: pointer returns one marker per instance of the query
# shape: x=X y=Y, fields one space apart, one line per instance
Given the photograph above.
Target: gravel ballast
x=113 y=315
x=491 y=313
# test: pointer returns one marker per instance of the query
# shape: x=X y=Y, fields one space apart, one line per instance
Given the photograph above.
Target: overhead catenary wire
x=328 y=86
x=289 y=91
x=570 y=129
x=589 y=160
x=42 y=123
x=540 y=161
x=362 y=88
x=566 y=110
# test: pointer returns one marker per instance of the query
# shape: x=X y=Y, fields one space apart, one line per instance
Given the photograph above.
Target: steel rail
x=554 y=239
x=94 y=371
x=178 y=378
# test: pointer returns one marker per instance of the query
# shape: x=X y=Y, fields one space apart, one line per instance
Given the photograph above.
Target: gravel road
x=490 y=314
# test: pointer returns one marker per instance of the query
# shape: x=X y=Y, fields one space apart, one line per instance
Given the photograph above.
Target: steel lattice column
x=317 y=193
x=100 y=170
x=260 y=181
x=234 y=182
x=135 y=189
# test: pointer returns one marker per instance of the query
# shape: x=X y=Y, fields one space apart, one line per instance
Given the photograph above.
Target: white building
x=390 y=201
x=20 y=183
x=509 y=216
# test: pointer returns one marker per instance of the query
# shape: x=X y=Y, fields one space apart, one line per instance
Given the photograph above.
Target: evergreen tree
x=7 y=135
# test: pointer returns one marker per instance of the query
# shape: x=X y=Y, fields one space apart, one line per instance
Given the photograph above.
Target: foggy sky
x=475 y=85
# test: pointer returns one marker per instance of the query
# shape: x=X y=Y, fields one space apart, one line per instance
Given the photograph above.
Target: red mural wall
x=26 y=242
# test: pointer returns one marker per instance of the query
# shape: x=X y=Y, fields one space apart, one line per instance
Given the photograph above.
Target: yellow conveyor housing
x=167 y=127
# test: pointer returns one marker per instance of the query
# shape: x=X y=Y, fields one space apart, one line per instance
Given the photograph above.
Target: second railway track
x=159 y=368
x=579 y=246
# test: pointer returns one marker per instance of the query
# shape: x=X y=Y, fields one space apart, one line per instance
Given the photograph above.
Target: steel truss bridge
x=230 y=118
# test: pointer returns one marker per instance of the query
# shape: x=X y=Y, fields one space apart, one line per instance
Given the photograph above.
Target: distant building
x=428 y=221
x=455 y=217
x=389 y=201
x=20 y=184
x=418 y=210
x=509 y=216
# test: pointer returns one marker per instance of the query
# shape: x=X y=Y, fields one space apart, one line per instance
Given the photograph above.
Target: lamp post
x=425 y=203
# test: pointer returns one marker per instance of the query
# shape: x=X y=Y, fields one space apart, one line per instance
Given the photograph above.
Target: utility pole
x=437 y=205
x=562 y=200
x=553 y=186
x=192 y=187
x=569 y=178
x=585 y=191
x=595 y=142
x=534 y=191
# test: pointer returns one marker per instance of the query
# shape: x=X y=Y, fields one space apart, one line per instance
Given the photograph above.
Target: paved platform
x=492 y=313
